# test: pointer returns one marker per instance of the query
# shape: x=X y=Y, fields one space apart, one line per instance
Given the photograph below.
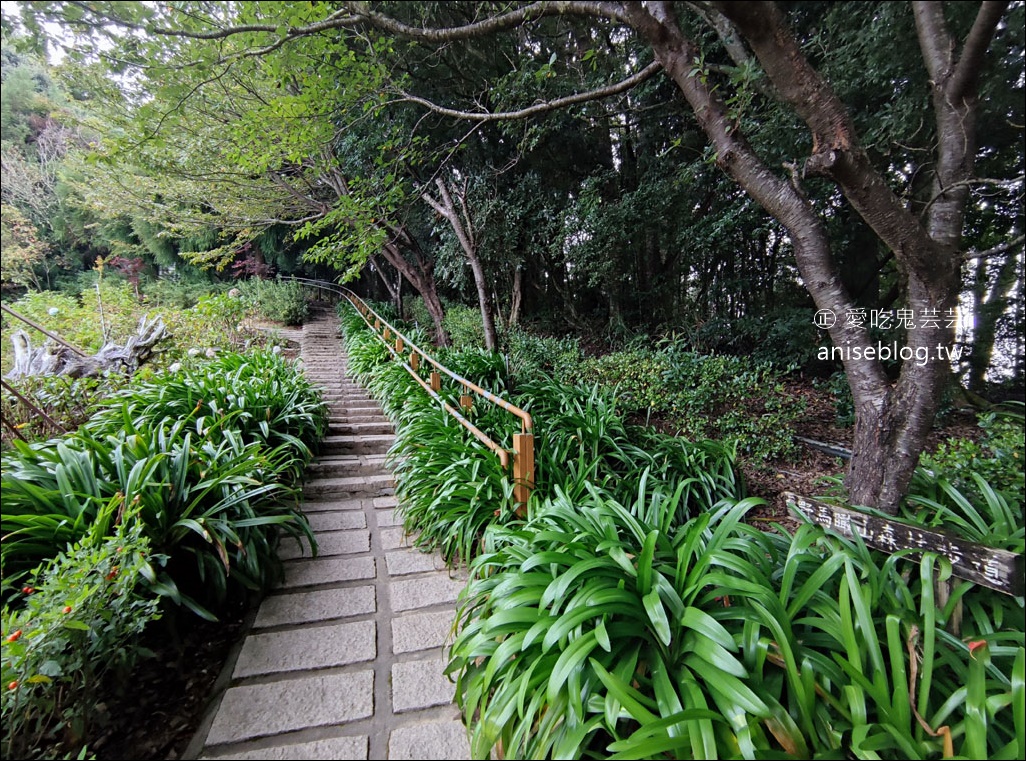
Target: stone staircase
x=345 y=660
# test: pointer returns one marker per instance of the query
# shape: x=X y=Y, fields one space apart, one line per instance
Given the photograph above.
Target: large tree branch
x=543 y=107
x=836 y=151
x=354 y=13
x=970 y=63
x=679 y=55
x=958 y=78
x=492 y=24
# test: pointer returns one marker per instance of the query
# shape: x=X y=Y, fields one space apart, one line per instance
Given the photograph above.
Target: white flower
x=194 y=352
x=275 y=350
x=53 y=311
x=174 y=367
x=211 y=352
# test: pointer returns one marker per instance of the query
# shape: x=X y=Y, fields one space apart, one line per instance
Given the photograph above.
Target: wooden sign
x=996 y=569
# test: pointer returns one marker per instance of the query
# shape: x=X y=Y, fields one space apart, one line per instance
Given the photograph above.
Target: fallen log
x=55 y=359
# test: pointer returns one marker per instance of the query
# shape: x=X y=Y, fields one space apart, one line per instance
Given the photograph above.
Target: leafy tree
x=855 y=127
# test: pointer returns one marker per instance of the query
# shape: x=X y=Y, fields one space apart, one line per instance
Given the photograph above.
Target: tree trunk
x=422 y=278
x=464 y=230
x=891 y=422
x=394 y=290
x=517 y=297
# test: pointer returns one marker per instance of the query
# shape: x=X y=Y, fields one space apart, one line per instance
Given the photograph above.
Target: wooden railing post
x=436 y=381
x=466 y=401
x=415 y=361
x=399 y=346
x=377 y=325
x=523 y=469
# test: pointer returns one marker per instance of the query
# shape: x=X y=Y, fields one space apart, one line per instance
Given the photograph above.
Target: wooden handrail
x=398 y=345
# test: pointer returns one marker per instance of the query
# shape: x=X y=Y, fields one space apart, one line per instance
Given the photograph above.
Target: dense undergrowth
x=630 y=612
x=175 y=491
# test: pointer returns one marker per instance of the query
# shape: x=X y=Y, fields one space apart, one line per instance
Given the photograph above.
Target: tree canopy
x=713 y=168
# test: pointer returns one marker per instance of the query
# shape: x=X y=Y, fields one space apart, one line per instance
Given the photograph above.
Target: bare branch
x=540 y=108
x=1001 y=248
x=973 y=182
x=354 y=13
x=612 y=11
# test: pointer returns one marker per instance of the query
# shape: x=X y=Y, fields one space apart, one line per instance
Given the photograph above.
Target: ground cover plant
x=610 y=630
x=201 y=466
x=78 y=624
x=212 y=457
x=633 y=613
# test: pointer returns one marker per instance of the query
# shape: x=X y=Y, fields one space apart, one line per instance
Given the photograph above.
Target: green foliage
x=281 y=301
x=78 y=623
x=210 y=459
x=181 y=293
x=452 y=487
x=68 y=401
x=604 y=629
x=635 y=615
x=416 y=312
x=529 y=355
x=464 y=326
x=721 y=397
x=976 y=488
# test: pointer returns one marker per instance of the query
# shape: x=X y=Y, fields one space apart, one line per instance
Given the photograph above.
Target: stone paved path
x=345 y=660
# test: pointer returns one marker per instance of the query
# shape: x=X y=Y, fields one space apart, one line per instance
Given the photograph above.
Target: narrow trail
x=345 y=660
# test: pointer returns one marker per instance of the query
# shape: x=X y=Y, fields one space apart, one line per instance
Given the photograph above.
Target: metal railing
x=400 y=346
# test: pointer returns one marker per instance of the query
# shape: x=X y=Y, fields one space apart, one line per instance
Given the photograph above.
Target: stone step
x=359 y=428
x=346 y=465
x=343 y=416
x=330 y=395
x=349 y=444
x=340 y=487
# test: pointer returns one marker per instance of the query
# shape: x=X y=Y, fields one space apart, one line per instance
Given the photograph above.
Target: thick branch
x=545 y=106
x=836 y=151
x=354 y=13
x=998 y=250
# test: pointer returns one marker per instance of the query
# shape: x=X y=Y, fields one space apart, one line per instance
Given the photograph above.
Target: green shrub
x=604 y=629
x=211 y=459
x=452 y=487
x=975 y=488
x=78 y=623
x=178 y=294
x=464 y=326
x=480 y=366
x=67 y=401
x=529 y=355
x=719 y=397
x=281 y=301
x=87 y=321
x=997 y=457
x=416 y=313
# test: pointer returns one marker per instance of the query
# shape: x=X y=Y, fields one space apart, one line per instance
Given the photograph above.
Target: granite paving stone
x=321 y=605
x=420 y=684
x=314 y=701
x=303 y=649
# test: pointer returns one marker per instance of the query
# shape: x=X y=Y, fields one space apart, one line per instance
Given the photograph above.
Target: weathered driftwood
x=51 y=359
